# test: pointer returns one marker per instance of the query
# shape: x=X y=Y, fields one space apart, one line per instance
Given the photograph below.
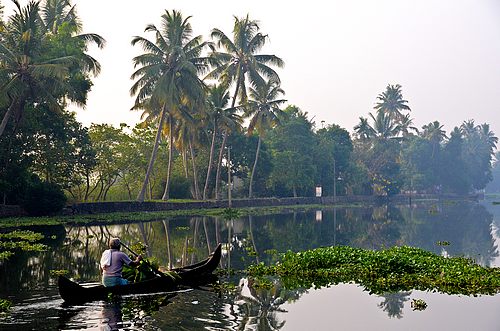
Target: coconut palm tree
x=364 y=130
x=435 y=134
x=187 y=133
x=383 y=125
x=489 y=138
x=392 y=103
x=24 y=71
x=221 y=118
x=1 y=18
x=238 y=61
x=264 y=112
x=29 y=68
x=57 y=13
x=406 y=125
x=167 y=76
x=217 y=100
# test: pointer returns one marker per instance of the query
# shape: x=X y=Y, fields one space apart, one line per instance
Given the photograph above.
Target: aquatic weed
x=60 y=272
x=5 y=305
x=390 y=270
x=20 y=240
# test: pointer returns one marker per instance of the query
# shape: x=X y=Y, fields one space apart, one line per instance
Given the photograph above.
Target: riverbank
x=153 y=206
x=132 y=211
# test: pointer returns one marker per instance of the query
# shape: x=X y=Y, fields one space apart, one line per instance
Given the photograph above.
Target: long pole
x=128 y=249
x=153 y=269
x=334 y=183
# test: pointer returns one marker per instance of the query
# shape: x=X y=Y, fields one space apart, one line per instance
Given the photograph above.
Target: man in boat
x=112 y=262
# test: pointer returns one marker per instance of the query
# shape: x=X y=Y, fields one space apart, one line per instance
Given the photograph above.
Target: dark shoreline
x=90 y=208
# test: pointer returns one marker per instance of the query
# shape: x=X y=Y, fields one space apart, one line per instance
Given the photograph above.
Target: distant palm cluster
x=212 y=123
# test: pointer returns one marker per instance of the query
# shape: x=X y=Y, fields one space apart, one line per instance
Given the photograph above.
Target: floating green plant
x=26 y=235
x=5 y=305
x=391 y=270
x=418 y=304
x=60 y=272
x=263 y=283
x=226 y=272
x=231 y=214
x=5 y=255
x=224 y=287
x=20 y=240
x=443 y=243
x=271 y=252
x=251 y=251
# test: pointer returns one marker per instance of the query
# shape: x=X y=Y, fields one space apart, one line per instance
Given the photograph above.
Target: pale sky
x=339 y=54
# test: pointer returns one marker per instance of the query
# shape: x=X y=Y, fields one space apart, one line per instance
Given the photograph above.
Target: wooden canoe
x=198 y=273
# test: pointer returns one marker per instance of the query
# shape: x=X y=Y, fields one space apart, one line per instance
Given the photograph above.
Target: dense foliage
x=391 y=270
x=43 y=198
x=209 y=108
x=43 y=66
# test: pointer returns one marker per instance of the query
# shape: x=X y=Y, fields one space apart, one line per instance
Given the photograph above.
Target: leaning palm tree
x=24 y=69
x=392 y=103
x=31 y=73
x=167 y=76
x=264 y=112
x=238 y=61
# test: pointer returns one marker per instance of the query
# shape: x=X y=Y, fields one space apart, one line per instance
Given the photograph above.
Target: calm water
x=471 y=228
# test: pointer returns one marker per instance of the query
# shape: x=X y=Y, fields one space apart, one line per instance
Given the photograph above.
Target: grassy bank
x=128 y=217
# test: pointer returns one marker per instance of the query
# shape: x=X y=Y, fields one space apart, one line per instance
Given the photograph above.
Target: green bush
x=43 y=198
x=179 y=188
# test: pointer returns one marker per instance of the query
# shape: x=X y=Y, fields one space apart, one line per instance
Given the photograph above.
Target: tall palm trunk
x=166 y=195
x=206 y=234
x=195 y=172
x=167 y=237
x=195 y=238
x=250 y=229
x=185 y=164
x=6 y=117
x=219 y=165
x=250 y=187
x=140 y=197
x=221 y=152
x=210 y=160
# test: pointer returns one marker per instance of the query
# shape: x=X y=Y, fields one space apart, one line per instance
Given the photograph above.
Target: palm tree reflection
x=393 y=303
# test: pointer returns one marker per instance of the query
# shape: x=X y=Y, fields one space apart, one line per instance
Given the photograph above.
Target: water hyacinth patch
x=20 y=240
x=5 y=305
x=391 y=270
x=60 y=272
x=26 y=235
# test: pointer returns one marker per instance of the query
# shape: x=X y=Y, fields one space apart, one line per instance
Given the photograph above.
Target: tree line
x=201 y=101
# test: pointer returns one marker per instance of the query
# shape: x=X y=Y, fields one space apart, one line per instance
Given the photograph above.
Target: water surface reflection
x=470 y=228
